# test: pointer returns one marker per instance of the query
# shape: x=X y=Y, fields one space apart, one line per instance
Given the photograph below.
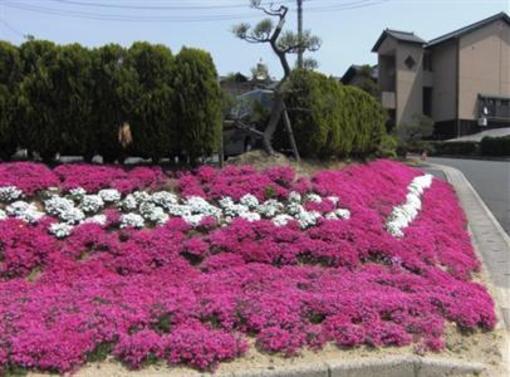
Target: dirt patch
x=261 y=160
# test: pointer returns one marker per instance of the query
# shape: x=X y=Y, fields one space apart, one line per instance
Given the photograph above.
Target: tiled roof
x=467 y=29
x=404 y=36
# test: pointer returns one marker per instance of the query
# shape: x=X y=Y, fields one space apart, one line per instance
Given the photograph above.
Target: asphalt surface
x=491 y=179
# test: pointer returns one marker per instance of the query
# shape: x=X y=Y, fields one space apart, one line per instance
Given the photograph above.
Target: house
x=461 y=79
x=357 y=74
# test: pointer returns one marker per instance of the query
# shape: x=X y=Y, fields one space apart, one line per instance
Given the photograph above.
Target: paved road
x=492 y=181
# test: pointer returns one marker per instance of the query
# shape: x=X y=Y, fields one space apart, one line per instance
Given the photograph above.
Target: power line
x=156 y=7
x=176 y=19
x=11 y=28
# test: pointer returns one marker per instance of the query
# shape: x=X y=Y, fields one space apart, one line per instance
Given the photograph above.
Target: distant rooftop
x=410 y=37
x=399 y=35
x=467 y=29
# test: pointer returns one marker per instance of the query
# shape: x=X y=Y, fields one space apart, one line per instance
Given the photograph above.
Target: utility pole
x=300 y=32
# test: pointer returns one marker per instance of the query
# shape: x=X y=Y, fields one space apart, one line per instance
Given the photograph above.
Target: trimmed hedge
x=456 y=148
x=330 y=119
x=72 y=100
x=495 y=146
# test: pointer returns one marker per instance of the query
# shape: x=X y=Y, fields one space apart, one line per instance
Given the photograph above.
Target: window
x=427 y=101
x=427 y=62
x=410 y=62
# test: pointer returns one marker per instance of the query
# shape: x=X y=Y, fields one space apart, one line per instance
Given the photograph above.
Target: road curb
x=492 y=244
x=397 y=366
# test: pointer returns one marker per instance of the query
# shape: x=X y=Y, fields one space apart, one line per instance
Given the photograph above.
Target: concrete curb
x=398 y=366
x=492 y=245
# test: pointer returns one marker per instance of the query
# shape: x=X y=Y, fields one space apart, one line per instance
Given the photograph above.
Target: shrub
x=456 y=148
x=198 y=105
x=495 y=146
x=329 y=119
x=388 y=146
x=152 y=120
x=10 y=75
x=38 y=99
x=114 y=95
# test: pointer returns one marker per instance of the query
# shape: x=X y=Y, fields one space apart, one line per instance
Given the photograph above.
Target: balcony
x=388 y=100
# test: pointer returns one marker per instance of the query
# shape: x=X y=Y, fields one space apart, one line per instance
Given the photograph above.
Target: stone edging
x=397 y=366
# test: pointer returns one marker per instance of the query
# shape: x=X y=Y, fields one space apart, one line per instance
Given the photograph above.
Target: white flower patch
x=164 y=199
x=249 y=201
x=3 y=215
x=153 y=213
x=250 y=216
x=141 y=196
x=294 y=197
x=404 y=214
x=193 y=220
x=129 y=203
x=282 y=220
x=110 y=195
x=198 y=205
x=307 y=219
x=179 y=210
x=231 y=209
x=131 y=220
x=97 y=219
x=25 y=211
x=91 y=203
x=270 y=208
x=61 y=230
x=314 y=198
x=64 y=209
x=339 y=213
x=10 y=193
x=77 y=193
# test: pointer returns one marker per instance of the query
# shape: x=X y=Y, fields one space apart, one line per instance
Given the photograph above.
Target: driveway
x=492 y=181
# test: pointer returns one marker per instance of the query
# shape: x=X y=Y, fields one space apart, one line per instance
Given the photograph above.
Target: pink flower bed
x=192 y=296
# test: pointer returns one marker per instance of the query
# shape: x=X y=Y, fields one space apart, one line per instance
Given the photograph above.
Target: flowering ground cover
x=99 y=261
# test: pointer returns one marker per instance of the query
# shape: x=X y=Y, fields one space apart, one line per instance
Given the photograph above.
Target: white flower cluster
x=91 y=203
x=140 y=208
x=24 y=211
x=64 y=209
x=10 y=193
x=404 y=214
x=110 y=195
x=61 y=230
x=131 y=220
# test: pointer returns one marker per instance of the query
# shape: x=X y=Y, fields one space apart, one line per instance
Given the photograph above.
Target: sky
x=348 y=28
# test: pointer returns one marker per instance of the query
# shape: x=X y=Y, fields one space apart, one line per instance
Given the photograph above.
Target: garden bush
x=198 y=103
x=456 y=148
x=10 y=75
x=330 y=119
x=72 y=100
x=495 y=146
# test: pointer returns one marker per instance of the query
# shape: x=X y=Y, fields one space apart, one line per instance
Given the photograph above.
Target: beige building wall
x=409 y=82
x=444 y=81
x=484 y=66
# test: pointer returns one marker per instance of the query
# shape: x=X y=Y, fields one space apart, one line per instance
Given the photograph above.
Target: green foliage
x=199 y=103
x=388 y=146
x=72 y=83
x=10 y=75
x=114 y=97
x=456 y=148
x=73 y=100
x=495 y=146
x=330 y=119
x=420 y=127
x=152 y=118
x=38 y=98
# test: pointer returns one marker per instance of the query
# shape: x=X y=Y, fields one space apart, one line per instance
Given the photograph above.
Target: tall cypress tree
x=10 y=75
x=198 y=103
